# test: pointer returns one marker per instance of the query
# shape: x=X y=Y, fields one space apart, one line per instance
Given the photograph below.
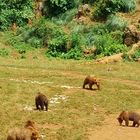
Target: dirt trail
x=110 y=130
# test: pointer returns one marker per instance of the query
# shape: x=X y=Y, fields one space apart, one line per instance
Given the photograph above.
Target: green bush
x=43 y=31
x=98 y=29
x=74 y=49
x=74 y=53
x=136 y=55
x=118 y=36
x=107 y=42
x=103 y=8
x=3 y=52
x=35 y=42
x=17 y=42
x=15 y=11
x=114 y=23
x=56 y=7
x=65 y=18
x=67 y=47
x=107 y=46
x=127 y=6
x=58 y=44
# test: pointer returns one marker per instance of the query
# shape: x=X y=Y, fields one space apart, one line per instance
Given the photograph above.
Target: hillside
x=84 y=31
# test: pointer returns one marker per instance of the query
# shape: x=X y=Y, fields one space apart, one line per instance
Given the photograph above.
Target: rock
x=84 y=10
x=131 y=35
x=110 y=59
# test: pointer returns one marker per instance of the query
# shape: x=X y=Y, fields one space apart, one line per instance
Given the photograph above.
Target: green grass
x=83 y=109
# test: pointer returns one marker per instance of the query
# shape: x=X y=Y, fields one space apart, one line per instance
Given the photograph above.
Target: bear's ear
x=35 y=135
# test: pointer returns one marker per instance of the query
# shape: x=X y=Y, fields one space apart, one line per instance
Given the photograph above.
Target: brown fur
x=29 y=132
x=41 y=101
x=30 y=125
x=91 y=80
x=129 y=116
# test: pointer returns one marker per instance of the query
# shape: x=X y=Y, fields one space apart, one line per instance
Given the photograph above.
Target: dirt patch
x=111 y=130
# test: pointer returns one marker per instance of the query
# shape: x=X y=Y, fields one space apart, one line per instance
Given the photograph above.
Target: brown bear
x=129 y=116
x=41 y=101
x=91 y=80
x=29 y=132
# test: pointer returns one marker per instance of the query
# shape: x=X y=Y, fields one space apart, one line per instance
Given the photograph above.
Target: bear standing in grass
x=28 y=132
x=91 y=80
x=41 y=101
x=129 y=116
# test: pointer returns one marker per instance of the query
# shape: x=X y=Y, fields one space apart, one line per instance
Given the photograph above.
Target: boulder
x=131 y=35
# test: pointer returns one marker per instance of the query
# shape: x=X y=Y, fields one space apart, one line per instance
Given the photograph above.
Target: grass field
x=72 y=110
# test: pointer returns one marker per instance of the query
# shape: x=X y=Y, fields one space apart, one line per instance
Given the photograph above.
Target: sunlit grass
x=69 y=119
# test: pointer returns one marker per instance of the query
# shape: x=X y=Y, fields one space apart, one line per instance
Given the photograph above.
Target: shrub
x=16 y=42
x=74 y=49
x=136 y=55
x=114 y=23
x=98 y=29
x=74 y=53
x=15 y=11
x=107 y=7
x=56 y=7
x=58 y=44
x=107 y=46
x=127 y=6
x=43 y=31
x=3 y=52
x=68 y=47
x=64 y=18
x=117 y=35
x=35 y=42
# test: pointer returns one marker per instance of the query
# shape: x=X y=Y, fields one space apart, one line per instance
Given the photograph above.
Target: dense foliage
x=56 y=7
x=15 y=11
x=60 y=33
x=103 y=8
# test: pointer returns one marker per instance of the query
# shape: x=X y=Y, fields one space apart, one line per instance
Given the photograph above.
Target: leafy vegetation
x=56 y=7
x=134 y=57
x=103 y=8
x=15 y=11
x=59 y=31
x=3 y=52
x=108 y=45
x=115 y=23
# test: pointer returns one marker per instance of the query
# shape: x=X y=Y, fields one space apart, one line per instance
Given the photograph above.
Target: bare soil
x=111 y=130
